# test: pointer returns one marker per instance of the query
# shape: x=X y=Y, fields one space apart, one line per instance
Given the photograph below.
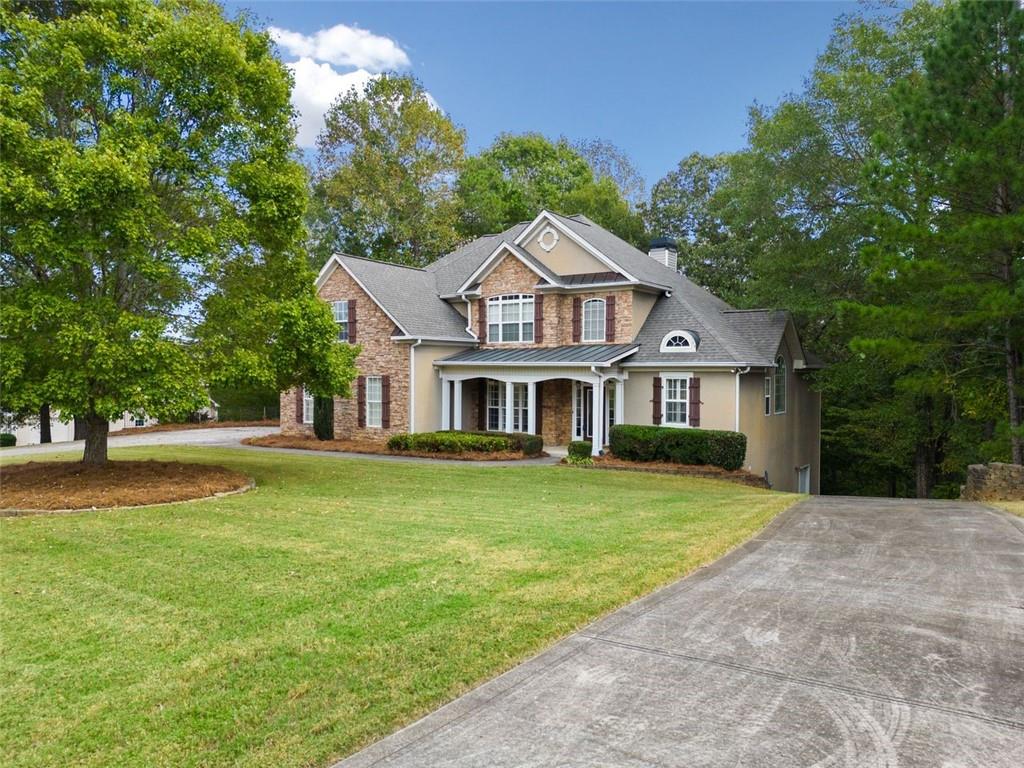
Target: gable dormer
x=563 y=251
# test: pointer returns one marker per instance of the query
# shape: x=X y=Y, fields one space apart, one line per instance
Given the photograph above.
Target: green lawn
x=1016 y=507
x=291 y=625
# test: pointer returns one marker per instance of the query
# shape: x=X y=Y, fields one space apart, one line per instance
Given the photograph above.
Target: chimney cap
x=663 y=242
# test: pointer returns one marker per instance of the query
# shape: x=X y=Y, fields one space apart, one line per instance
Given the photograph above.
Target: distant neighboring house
x=557 y=327
x=28 y=432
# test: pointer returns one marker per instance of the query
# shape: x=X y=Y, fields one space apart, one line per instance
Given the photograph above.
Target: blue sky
x=659 y=80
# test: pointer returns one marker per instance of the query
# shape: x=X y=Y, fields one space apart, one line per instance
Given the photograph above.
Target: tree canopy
x=387 y=164
x=151 y=243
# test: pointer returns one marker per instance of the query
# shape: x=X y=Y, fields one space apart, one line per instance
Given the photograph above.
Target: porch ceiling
x=576 y=354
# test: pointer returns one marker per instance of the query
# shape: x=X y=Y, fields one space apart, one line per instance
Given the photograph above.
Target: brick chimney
x=663 y=250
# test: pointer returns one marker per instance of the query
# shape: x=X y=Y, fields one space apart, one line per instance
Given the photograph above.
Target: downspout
x=598 y=418
x=469 y=316
x=412 y=385
x=739 y=372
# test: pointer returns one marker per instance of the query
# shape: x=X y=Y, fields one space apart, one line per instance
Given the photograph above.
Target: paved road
x=212 y=436
x=849 y=633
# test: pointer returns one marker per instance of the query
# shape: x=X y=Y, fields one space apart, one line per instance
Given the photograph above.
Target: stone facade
x=994 y=482
x=379 y=356
x=512 y=276
x=556 y=412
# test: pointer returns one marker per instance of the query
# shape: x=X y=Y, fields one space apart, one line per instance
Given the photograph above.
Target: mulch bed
x=370 y=447
x=67 y=485
x=668 y=468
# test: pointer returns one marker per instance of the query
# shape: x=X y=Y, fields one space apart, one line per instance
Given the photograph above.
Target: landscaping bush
x=450 y=442
x=323 y=418
x=7 y=440
x=718 y=448
x=459 y=442
x=580 y=449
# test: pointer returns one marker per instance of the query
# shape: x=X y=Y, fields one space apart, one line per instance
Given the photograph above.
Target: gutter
x=739 y=372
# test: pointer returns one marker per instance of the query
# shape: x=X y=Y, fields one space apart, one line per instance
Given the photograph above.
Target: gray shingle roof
x=410 y=296
x=577 y=354
x=729 y=336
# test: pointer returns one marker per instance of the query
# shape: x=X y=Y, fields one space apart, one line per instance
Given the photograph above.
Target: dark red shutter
x=298 y=405
x=361 y=401
x=609 y=319
x=385 y=402
x=352 y=321
x=694 y=413
x=656 y=402
x=481 y=404
x=577 y=310
x=538 y=318
x=539 y=404
x=481 y=317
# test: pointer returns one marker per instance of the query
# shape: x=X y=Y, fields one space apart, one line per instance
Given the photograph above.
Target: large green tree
x=518 y=175
x=152 y=214
x=388 y=160
x=949 y=257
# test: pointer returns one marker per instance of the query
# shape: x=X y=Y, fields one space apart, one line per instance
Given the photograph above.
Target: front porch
x=561 y=401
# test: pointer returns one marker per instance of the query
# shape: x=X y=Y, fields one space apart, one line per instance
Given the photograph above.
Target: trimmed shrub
x=580 y=449
x=450 y=442
x=460 y=442
x=718 y=448
x=530 y=445
x=7 y=440
x=323 y=418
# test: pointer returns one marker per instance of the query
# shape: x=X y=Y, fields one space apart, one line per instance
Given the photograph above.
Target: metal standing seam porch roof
x=576 y=355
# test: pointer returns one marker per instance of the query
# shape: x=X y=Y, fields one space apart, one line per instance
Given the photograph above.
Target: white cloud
x=344 y=46
x=316 y=88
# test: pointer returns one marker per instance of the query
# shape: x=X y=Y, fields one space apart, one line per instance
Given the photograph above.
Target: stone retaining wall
x=994 y=482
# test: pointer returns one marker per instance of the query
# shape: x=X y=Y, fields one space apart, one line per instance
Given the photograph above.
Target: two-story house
x=557 y=327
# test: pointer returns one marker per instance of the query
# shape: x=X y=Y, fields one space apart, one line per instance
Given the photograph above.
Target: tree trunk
x=1016 y=441
x=96 y=431
x=924 y=466
x=44 y=424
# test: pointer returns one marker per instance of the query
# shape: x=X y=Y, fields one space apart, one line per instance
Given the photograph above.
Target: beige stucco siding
x=427 y=386
x=643 y=303
x=717 y=395
x=779 y=443
x=566 y=258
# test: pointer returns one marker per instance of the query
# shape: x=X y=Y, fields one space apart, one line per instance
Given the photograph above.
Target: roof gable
x=547 y=219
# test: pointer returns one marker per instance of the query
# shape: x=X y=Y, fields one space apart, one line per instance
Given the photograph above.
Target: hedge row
x=683 y=446
x=460 y=442
x=580 y=449
x=7 y=440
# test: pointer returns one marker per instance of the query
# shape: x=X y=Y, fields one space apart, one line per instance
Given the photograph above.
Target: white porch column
x=598 y=417
x=446 y=403
x=620 y=402
x=508 y=406
x=531 y=407
x=457 y=405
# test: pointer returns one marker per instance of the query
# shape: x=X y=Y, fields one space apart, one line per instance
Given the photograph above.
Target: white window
x=374 y=401
x=609 y=403
x=679 y=341
x=593 y=320
x=510 y=318
x=307 y=406
x=340 y=309
x=780 y=384
x=675 y=399
x=767 y=393
x=496 y=407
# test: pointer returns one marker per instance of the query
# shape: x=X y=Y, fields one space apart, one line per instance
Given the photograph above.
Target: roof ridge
x=381 y=261
x=737 y=311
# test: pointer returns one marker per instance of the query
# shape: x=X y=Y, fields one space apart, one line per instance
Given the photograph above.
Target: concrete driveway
x=208 y=436
x=851 y=632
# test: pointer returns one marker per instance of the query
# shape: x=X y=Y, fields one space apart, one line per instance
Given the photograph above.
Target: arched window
x=679 y=341
x=780 y=384
x=593 y=320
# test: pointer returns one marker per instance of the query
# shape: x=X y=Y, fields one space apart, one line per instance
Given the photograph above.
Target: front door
x=803 y=479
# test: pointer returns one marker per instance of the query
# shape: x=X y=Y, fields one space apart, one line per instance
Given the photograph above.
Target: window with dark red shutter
x=385 y=402
x=298 y=405
x=352 y=324
x=609 y=319
x=656 y=402
x=695 y=402
x=577 y=319
x=538 y=318
x=361 y=401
